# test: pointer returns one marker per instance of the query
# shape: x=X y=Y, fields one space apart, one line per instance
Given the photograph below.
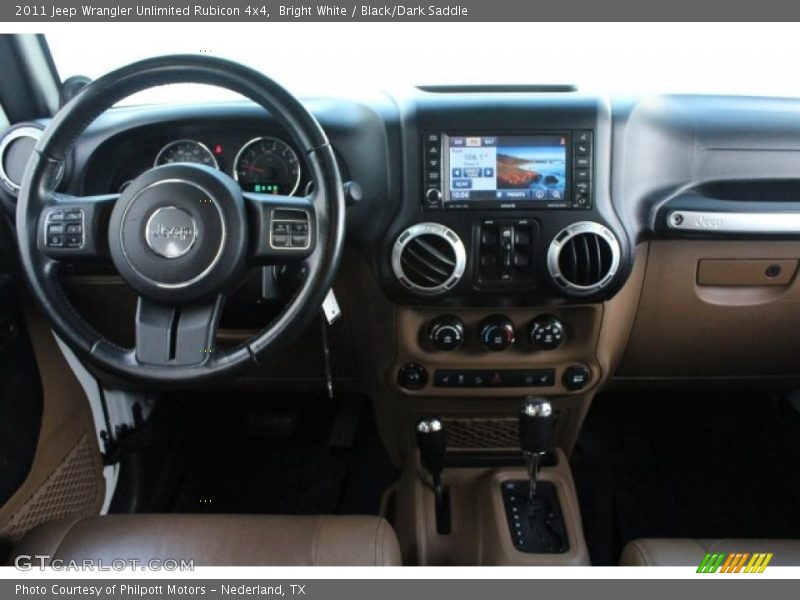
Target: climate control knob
x=546 y=332
x=446 y=332
x=497 y=332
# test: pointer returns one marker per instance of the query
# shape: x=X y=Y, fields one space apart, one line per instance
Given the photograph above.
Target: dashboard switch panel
x=497 y=378
x=583 y=146
x=505 y=253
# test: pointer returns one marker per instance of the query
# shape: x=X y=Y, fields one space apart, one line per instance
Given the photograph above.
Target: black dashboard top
x=696 y=153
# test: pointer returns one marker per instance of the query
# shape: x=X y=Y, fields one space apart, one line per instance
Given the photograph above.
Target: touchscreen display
x=511 y=168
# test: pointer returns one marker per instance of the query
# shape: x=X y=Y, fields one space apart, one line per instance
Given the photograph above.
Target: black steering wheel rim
x=38 y=192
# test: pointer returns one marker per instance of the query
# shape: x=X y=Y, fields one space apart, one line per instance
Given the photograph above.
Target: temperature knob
x=447 y=332
x=497 y=332
x=546 y=332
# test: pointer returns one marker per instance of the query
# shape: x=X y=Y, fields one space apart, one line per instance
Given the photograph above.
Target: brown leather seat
x=218 y=540
x=686 y=552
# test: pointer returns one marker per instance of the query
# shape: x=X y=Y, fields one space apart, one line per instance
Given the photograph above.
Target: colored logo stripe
x=710 y=563
x=734 y=562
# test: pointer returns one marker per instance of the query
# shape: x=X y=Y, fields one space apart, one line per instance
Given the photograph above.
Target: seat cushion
x=218 y=540
x=683 y=552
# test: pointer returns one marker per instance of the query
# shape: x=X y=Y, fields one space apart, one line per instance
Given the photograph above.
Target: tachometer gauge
x=268 y=166
x=186 y=151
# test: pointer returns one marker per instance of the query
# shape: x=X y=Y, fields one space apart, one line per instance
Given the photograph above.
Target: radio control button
x=433 y=196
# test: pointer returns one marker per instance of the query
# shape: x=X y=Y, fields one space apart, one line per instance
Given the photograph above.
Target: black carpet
x=687 y=465
x=239 y=453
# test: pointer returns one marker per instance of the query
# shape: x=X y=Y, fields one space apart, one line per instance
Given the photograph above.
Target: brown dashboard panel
x=717 y=309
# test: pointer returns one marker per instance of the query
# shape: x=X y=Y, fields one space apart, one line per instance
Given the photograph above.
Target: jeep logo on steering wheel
x=170 y=232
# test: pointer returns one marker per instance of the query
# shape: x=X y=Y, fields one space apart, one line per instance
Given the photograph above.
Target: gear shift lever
x=432 y=448
x=536 y=421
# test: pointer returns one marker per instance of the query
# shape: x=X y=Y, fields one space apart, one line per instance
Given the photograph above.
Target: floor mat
x=687 y=465
x=260 y=455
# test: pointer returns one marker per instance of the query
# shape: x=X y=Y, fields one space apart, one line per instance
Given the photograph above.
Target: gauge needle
x=252 y=168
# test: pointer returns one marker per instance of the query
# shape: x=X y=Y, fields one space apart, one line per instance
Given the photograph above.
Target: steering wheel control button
x=64 y=229
x=497 y=333
x=576 y=377
x=446 y=332
x=290 y=229
x=546 y=332
x=412 y=376
x=171 y=232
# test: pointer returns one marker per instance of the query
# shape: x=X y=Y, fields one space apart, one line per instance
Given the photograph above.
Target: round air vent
x=16 y=148
x=583 y=258
x=428 y=258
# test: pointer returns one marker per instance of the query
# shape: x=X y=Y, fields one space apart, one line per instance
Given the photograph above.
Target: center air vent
x=428 y=258
x=583 y=258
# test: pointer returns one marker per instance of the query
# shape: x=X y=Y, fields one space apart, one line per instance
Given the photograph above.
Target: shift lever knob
x=432 y=449
x=536 y=421
x=432 y=445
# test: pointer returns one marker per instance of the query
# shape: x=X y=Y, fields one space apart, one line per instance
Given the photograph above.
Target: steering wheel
x=180 y=235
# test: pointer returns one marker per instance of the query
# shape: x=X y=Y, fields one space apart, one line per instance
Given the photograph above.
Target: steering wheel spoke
x=176 y=335
x=75 y=227
x=283 y=228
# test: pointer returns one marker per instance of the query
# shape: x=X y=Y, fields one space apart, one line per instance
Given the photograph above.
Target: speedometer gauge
x=186 y=151
x=268 y=166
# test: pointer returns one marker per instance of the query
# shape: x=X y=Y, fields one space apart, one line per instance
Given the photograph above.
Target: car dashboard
x=509 y=242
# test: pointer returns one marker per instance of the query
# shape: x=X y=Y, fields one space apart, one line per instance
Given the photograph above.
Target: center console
x=506 y=246
x=502 y=267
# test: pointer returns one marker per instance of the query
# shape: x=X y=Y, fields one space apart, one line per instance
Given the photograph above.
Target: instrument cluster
x=264 y=164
